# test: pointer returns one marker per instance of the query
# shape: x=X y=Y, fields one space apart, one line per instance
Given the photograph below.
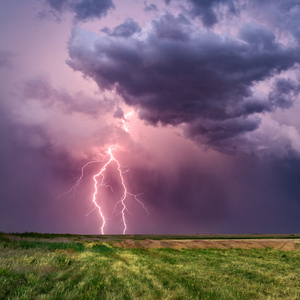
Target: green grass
x=97 y=270
x=43 y=245
x=35 y=235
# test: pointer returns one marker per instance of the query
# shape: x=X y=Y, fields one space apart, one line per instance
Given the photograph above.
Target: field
x=37 y=266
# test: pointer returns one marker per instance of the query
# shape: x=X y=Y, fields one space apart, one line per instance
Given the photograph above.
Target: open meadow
x=45 y=266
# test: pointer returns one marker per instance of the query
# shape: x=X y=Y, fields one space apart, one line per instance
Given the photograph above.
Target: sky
x=199 y=98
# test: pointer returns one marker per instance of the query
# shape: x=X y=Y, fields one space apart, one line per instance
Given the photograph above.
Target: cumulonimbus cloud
x=83 y=10
x=283 y=14
x=175 y=72
x=209 y=11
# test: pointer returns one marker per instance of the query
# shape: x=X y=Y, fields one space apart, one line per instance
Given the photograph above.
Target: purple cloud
x=150 y=7
x=174 y=72
x=126 y=29
x=83 y=10
x=41 y=89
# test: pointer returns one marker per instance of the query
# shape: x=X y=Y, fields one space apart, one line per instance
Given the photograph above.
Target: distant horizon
x=164 y=234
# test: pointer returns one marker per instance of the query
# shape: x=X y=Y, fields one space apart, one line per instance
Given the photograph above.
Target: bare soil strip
x=134 y=242
x=278 y=244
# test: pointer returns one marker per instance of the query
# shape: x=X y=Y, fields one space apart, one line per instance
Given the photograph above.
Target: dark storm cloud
x=169 y=27
x=283 y=14
x=216 y=130
x=208 y=11
x=258 y=36
x=284 y=93
x=280 y=14
x=5 y=58
x=177 y=73
x=293 y=21
x=41 y=89
x=83 y=10
x=126 y=29
x=219 y=89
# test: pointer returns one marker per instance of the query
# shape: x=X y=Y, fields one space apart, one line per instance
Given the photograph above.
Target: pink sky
x=214 y=94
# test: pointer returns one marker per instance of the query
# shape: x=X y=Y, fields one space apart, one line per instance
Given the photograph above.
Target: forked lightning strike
x=102 y=183
x=74 y=187
x=124 y=195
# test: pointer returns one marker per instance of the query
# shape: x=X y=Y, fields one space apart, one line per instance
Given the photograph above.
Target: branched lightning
x=101 y=183
x=124 y=195
x=72 y=190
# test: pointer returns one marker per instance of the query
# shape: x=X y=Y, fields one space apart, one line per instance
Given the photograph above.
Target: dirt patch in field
x=277 y=244
x=286 y=244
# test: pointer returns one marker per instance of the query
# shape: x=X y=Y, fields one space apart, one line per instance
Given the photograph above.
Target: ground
x=51 y=266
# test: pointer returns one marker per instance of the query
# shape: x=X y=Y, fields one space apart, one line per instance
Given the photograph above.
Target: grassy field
x=156 y=236
x=40 y=269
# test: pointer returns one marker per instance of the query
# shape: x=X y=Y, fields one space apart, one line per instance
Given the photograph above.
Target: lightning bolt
x=101 y=183
x=72 y=190
x=124 y=195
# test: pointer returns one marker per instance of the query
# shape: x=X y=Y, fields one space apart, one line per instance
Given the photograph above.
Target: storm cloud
x=83 y=10
x=209 y=11
x=202 y=98
x=126 y=29
x=206 y=10
x=175 y=72
x=283 y=14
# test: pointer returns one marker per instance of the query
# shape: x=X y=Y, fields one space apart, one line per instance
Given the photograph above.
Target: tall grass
x=42 y=245
x=44 y=270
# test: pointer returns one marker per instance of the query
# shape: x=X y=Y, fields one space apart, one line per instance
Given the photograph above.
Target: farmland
x=37 y=266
